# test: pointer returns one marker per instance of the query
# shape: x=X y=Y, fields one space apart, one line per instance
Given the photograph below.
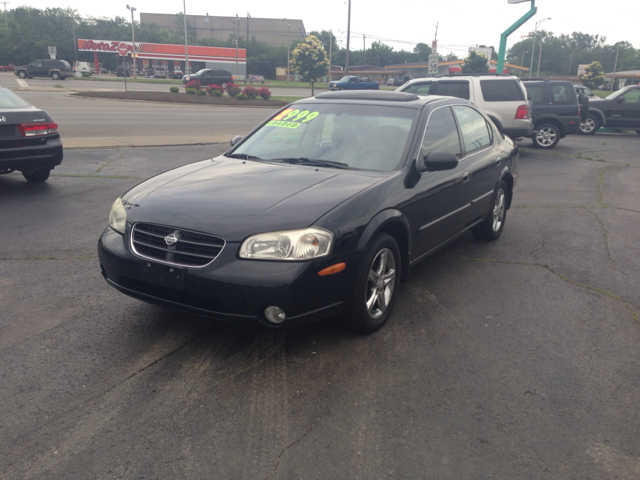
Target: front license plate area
x=163 y=275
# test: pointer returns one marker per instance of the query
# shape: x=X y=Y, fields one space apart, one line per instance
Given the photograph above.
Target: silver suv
x=502 y=97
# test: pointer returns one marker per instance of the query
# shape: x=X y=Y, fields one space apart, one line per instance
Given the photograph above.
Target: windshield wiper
x=314 y=163
x=243 y=156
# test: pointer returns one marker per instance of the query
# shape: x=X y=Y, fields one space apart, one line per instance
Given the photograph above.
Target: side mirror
x=235 y=140
x=437 y=161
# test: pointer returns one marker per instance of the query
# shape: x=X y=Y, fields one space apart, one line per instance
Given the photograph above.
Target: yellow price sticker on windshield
x=291 y=118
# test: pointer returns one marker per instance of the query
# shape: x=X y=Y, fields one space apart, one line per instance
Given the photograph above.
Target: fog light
x=275 y=314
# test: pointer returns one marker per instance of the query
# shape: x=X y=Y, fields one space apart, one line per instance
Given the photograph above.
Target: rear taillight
x=522 y=112
x=37 y=129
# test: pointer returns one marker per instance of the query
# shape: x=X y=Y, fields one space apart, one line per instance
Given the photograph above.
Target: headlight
x=288 y=245
x=118 y=216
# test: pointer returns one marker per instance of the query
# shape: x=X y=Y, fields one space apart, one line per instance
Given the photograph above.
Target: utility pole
x=133 y=40
x=364 y=43
x=288 y=46
x=540 y=56
x=535 y=36
x=75 y=44
x=615 y=66
x=235 y=33
x=330 y=45
x=346 y=67
x=186 y=46
x=6 y=23
x=248 y=17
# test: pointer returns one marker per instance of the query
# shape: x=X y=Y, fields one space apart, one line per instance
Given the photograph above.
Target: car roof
x=382 y=98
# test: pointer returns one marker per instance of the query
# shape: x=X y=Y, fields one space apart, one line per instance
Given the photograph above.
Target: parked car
x=555 y=111
x=210 y=76
x=390 y=82
x=83 y=67
x=159 y=71
x=56 y=69
x=121 y=71
x=502 y=97
x=618 y=111
x=177 y=73
x=338 y=197
x=401 y=80
x=351 y=82
x=29 y=138
x=9 y=68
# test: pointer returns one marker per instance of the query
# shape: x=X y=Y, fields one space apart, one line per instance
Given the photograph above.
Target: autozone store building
x=151 y=54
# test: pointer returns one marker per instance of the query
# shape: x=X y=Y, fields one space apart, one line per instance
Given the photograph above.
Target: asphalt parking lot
x=512 y=359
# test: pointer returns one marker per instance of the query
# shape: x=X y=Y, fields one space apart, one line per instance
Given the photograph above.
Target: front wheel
x=491 y=228
x=36 y=176
x=378 y=279
x=590 y=126
x=546 y=136
x=22 y=74
x=55 y=76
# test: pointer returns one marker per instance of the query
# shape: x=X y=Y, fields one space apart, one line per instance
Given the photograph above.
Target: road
x=512 y=359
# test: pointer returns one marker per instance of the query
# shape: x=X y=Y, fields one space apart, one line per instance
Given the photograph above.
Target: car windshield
x=620 y=92
x=201 y=72
x=368 y=137
x=345 y=79
x=8 y=99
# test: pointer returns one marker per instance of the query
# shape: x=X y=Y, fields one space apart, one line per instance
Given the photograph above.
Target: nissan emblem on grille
x=171 y=239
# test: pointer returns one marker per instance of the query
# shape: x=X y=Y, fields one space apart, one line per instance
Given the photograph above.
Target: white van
x=84 y=67
x=159 y=71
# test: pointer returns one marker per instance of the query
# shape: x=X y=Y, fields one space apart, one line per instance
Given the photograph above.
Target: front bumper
x=40 y=154
x=231 y=289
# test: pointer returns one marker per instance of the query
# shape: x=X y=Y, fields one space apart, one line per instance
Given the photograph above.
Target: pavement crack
x=301 y=438
x=533 y=252
x=605 y=234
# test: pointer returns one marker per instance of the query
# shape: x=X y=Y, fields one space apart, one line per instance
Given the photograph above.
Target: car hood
x=234 y=199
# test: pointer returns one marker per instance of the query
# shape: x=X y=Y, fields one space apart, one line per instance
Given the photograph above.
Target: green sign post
x=510 y=30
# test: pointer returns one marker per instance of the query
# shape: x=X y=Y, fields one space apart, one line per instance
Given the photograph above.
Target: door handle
x=498 y=160
x=465 y=177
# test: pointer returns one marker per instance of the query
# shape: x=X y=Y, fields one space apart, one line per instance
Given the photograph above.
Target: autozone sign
x=103 y=46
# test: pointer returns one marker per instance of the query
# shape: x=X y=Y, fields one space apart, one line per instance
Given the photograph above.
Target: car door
x=624 y=111
x=436 y=210
x=36 y=69
x=481 y=162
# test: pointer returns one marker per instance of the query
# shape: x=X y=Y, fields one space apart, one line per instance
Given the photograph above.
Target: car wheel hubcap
x=498 y=210
x=546 y=136
x=380 y=283
x=587 y=125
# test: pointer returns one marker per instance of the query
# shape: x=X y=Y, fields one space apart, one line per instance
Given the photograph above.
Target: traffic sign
x=123 y=49
x=433 y=63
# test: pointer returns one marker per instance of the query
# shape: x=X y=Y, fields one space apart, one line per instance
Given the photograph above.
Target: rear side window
x=563 y=95
x=453 y=89
x=501 y=91
x=474 y=128
x=537 y=94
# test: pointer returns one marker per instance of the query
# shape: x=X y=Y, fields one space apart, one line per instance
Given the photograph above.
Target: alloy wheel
x=380 y=283
x=546 y=136
x=588 y=125
x=499 y=209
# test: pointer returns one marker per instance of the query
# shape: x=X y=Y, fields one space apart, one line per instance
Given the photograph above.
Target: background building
x=272 y=31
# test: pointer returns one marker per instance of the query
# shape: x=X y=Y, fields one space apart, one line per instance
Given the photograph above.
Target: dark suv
x=56 y=69
x=555 y=110
x=210 y=76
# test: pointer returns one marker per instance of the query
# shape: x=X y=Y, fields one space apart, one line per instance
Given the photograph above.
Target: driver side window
x=441 y=134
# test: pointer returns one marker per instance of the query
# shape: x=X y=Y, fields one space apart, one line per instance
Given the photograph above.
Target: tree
x=594 y=75
x=309 y=59
x=423 y=51
x=475 y=63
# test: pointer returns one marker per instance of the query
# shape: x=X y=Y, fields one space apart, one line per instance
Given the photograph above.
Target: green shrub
x=216 y=93
x=242 y=96
x=174 y=89
x=250 y=92
x=190 y=91
x=200 y=92
x=233 y=89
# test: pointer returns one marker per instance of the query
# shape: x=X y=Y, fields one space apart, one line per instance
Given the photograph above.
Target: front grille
x=192 y=249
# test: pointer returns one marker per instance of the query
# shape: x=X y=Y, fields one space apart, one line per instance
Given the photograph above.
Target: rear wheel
x=22 y=74
x=55 y=75
x=36 y=176
x=546 y=136
x=492 y=227
x=590 y=126
x=374 y=296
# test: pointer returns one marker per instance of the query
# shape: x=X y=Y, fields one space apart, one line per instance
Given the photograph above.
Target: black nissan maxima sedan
x=29 y=138
x=320 y=210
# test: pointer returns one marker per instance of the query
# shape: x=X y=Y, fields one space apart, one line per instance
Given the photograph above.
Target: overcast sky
x=462 y=23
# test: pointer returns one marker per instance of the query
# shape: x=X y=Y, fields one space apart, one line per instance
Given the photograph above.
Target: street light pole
x=133 y=40
x=346 y=66
x=288 y=46
x=535 y=36
x=186 y=45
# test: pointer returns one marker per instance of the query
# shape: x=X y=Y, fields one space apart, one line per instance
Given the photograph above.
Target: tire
x=224 y=85
x=376 y=283
x=55 y=76
x=22 y=74
x=36 y=176
x=546 y=136
x=590 y=126
x=491 y=228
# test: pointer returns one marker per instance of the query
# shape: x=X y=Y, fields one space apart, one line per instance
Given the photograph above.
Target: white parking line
x=22 y=83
